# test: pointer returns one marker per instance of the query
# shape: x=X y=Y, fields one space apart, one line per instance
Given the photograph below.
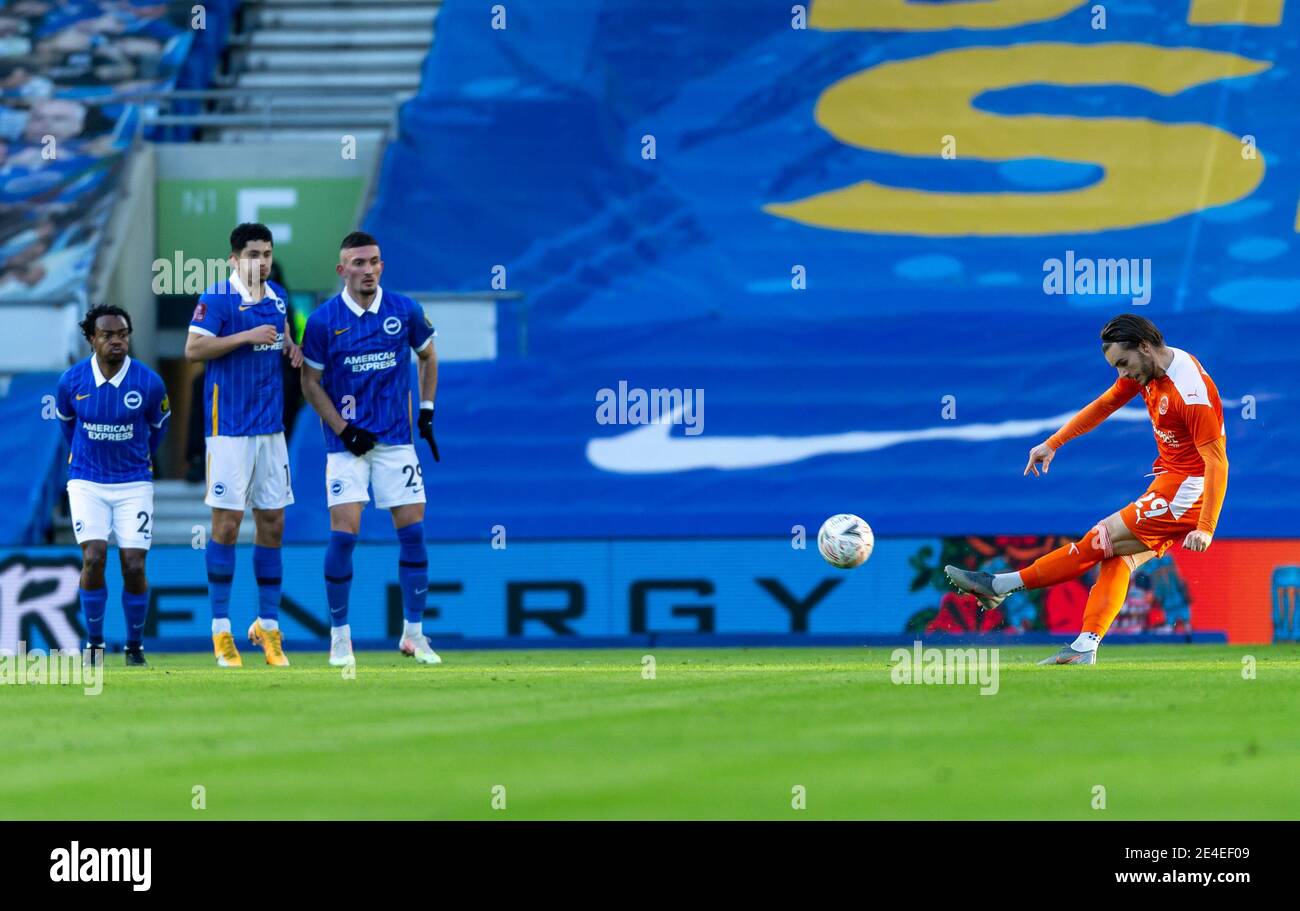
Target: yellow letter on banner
x=1153 y=171
x=902 y=15
x=1236 y=12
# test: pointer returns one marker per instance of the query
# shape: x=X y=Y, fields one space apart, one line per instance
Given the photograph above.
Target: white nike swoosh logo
x=652 y=449
x=421 y=591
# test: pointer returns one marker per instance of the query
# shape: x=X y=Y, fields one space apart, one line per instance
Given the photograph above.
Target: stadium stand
x=680 y=269
x=68 y=74
x=310 y=59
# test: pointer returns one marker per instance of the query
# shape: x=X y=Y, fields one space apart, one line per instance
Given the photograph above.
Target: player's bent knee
x=94 y=555
x=270 y=523
x=133 y=564
x=1101 y=539
x=225 y=525
x=346 y=517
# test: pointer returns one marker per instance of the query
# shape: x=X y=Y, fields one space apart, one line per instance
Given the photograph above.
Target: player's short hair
x=358 y=239
x=1130 y=330
x=248 y=231
x=94 y=313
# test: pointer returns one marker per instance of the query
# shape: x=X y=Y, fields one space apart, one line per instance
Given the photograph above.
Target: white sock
x=268 y=624
x=221 y=626
x=1087 y=642
x=411 y=630
x=341 y=632
x=1005 y=583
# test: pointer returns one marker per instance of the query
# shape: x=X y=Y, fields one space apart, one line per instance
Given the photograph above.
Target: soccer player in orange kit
x=1182 y=503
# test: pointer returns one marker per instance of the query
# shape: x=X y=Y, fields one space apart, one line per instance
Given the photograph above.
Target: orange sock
x=1107 y=595
x=1070 y=561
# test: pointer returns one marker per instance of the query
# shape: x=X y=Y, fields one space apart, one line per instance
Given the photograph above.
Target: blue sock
x=267 y=569
x=338 y=575
x=221 y=573
x=135 y=607
x=413 y=571
x=93 y=604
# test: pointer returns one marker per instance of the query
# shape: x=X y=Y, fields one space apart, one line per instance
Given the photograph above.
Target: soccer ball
x=845 y=541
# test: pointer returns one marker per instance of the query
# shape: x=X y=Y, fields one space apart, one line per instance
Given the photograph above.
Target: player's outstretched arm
x=1090 y=416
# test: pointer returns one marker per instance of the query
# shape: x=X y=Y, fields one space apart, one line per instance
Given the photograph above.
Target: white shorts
x=394 y=471
x=126 y=510
x=248 y=471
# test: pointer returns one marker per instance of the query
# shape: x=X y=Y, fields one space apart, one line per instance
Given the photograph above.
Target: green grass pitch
x=1168 y=731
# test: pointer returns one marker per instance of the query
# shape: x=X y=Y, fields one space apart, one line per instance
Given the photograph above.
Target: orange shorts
x=1169 y=509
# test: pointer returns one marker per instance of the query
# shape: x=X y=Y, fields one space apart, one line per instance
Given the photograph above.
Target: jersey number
x=412 y=472
x=1157 y=506
x=144 y=523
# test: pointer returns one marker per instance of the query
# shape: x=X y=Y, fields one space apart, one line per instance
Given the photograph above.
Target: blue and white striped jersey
x=364 y=361
x=243 y=394
x=114 y=420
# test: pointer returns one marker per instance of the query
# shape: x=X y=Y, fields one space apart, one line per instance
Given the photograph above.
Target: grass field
x=1169 y=731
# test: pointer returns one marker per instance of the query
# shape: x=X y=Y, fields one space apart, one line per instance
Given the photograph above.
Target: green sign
x=307 y=216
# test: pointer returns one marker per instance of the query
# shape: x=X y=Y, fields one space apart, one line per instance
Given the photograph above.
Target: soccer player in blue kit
x=112 y=411
x=356 y=375
x=240 y=329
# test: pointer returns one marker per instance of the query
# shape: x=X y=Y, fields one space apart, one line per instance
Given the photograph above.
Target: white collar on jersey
x=357 y=308
x=245 y=295
x=117 y=377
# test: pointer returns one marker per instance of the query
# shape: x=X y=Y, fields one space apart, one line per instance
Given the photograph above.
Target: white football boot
x=341 y=649
x=418 y=647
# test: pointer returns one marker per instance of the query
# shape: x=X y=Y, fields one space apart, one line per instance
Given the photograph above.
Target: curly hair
x=94 y=313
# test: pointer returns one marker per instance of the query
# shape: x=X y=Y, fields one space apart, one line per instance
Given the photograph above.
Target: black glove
x=425 y=422
x=358 y=440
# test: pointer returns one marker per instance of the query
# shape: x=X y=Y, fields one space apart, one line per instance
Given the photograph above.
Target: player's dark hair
x=358 y=239
x=248 y=231
x=93 y=315
x=1130 y=330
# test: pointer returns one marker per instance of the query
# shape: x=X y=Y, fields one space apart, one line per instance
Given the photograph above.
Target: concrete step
x=253 y=137
x=328 y=61
x=317 y=16
x=339 y=4
x=333 y=39
x=388 y=81
x=343 y=105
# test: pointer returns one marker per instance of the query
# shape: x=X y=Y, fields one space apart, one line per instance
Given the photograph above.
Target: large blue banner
x=874 y=241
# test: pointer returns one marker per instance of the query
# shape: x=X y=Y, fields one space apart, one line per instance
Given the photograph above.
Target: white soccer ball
x=845 y=541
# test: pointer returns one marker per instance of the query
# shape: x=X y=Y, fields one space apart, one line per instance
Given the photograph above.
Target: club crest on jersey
x=392 y=325
x=78 y=525
x=1164 y=404
x=219 y=489
x=336 y=488
x=132 y=399
x=279 y=305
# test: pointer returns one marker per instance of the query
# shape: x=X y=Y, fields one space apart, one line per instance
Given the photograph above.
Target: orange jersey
x=1185 y=414
x=1187 y=419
